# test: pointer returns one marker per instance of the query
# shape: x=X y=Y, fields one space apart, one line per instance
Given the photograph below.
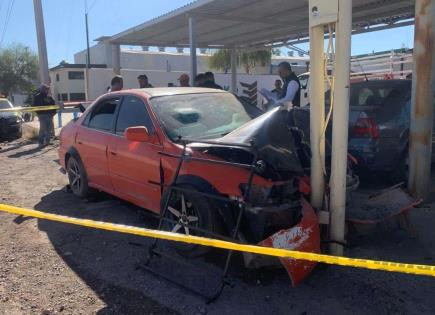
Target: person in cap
x=116 y=84
x=46 y=126
x=184 y=80
x=143 y=82
x=291 y=91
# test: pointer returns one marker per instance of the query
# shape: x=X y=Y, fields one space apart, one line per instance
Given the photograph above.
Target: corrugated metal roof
x=251 y=23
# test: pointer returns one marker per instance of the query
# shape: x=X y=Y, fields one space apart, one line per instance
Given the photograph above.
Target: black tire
x=78 y=180
x=196 y=206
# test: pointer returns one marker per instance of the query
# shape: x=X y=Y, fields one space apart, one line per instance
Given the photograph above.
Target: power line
x=7 y=19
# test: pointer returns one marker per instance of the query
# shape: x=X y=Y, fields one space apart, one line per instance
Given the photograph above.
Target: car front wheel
x=187 y=210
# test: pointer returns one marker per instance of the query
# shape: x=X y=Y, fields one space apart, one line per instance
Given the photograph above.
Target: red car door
x=135 y=166
x=92 y=141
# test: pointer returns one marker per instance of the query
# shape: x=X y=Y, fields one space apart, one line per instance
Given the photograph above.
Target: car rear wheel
x=187 y=210
x=78 y=180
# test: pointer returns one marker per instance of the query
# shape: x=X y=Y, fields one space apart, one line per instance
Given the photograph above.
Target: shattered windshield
x=199 y=116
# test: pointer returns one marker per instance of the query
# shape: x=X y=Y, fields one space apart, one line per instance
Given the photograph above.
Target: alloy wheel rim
x=184 y=216
x=75 y=177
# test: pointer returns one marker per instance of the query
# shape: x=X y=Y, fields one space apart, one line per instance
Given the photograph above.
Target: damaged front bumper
x=304 y=236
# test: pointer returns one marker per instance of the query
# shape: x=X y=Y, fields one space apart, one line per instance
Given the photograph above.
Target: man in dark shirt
x=210 y=82
x=291 y=91
x=46 y=127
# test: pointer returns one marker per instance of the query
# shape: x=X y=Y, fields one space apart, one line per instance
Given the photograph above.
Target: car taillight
x=366 y=127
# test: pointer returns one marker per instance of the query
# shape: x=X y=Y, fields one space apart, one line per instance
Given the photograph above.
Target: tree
x=221 y=60
x=18 y=69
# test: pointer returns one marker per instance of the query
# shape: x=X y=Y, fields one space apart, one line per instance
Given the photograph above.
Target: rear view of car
x=10 y=122
x=379 y=126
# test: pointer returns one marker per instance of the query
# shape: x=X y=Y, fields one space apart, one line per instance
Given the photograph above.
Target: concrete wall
x=99 y=80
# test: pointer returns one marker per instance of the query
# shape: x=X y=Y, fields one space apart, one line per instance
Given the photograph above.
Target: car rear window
x=103 y=115
x=4 y=104
x=379 y=95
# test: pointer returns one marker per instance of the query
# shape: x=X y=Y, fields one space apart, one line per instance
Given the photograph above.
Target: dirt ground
x=52 y=268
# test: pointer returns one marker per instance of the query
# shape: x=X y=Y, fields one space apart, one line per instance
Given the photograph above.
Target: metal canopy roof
x=253 y=23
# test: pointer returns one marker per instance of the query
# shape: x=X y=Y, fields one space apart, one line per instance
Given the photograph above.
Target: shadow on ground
x=101 y=258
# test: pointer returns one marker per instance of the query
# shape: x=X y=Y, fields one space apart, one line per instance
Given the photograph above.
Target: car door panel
x=92 y=148
x=134 y=167
x=92 y=141
x=135 y=170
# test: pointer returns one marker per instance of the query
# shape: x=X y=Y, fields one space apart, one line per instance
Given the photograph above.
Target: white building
x=162 y=67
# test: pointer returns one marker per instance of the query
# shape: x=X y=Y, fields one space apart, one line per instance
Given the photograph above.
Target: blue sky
x=65 y=27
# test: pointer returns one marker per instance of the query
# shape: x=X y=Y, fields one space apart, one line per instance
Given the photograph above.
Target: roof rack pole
x=423 y=92
x=340 y=126
x=192 y=39
x=233 y=70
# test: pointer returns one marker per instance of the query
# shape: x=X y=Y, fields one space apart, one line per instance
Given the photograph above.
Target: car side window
x=133 y=112
x=103 y=115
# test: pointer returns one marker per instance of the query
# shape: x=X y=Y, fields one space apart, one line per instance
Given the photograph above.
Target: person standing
x=278 y=88
x=117 y=84
x=143 y=82
x=46 y=126
x=291 y=91
x=184 y=80
x=210 y=82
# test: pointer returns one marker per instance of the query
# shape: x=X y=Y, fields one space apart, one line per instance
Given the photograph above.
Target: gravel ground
x=52 y=268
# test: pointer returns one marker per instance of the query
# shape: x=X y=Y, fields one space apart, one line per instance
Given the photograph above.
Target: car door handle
x=79 y=142
x=113 y=153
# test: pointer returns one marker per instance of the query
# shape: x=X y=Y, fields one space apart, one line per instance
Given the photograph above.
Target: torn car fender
x=304 y=237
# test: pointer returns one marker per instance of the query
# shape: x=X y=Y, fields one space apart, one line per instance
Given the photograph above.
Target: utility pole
x=42 y=46
x=88 y=53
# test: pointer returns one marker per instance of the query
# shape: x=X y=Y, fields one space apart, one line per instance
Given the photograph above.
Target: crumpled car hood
x=272 y=139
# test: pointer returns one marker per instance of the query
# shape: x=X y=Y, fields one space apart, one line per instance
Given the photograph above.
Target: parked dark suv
x=379 y=124
x=10 y=122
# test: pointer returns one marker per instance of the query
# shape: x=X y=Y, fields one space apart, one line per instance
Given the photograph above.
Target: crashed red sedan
x=127 y=143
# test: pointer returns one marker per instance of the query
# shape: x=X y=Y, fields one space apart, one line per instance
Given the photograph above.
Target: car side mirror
x=138 y=134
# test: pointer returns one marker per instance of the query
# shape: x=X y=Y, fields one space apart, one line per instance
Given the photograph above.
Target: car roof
x=166 y=91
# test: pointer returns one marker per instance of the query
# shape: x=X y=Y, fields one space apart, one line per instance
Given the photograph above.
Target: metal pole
x=317 y=113
x=340 y=125
x=192 y=35
x=423 y=91
x=42 y=46
x=116 y=55
x=233 y=71
x=88 y=53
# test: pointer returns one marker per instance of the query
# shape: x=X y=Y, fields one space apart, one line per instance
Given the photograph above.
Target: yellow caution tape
x=30 y=109
x=276 y=252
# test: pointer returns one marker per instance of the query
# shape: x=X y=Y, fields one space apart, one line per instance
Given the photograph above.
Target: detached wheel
x=77 y=177
x=189 y=209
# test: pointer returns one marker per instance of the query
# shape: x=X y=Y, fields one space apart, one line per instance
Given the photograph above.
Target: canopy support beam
x=233 y=71
x=423 y=92
x=340 y=126
x=192 y=42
